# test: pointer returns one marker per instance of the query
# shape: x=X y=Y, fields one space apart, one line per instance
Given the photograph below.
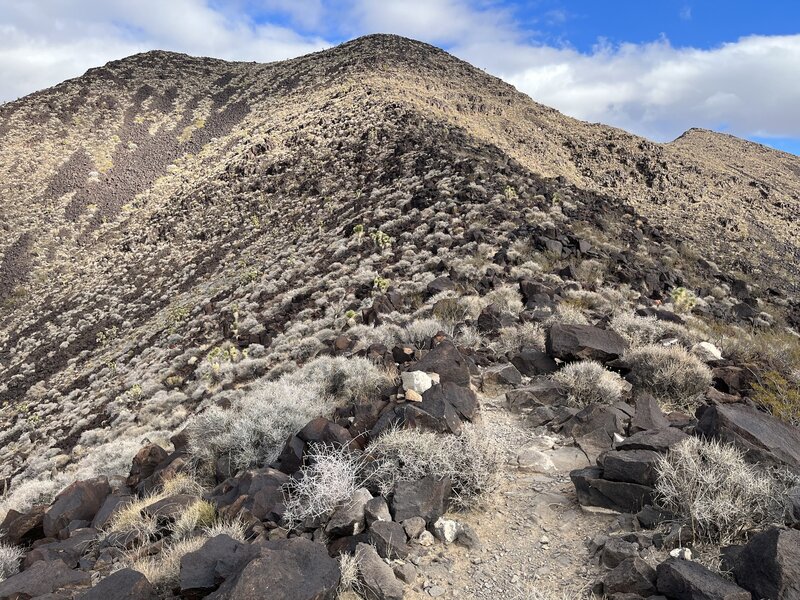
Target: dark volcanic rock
x=389 y=539
x=764 y=438
x=648 y=415
x=125 y=584
x=769 y=565
x=293 y=569
x=659 y=440
x=377 y=578
x=447 y=361
x=593 y=490
x=531 y=362
x=18 y=527
x=633 y=466
x=78 y=502
x=633 y=576
x=204 y=570
x=43 y=578
x=580 y=342
x=688 y=580
x=426 y=498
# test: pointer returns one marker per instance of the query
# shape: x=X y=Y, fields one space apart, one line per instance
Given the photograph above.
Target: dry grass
x=163 y=570
x=10 y=558
x=520 y=337
x=671 y=374
x=589 y=382
x=709 y=485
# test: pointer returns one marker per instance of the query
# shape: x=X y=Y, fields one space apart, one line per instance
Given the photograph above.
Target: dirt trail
x=533 y=531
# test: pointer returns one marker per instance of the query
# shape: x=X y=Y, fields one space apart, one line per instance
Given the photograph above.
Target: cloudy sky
x=655 y=68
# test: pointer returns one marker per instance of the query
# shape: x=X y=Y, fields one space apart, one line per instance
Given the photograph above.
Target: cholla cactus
x=381 y=239
x=683 y=299
x=358 y=231
x=381 y=284
x=510 y=193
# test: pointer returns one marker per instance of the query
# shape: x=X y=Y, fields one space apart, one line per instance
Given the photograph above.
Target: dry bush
x=709 y=485
x=470 y=460
x=233 y=528
x=349 y=580
x=770 y=350
x=163 y=569
x=520 y=337
x=507 y=298
x=329 y=479
x=419 y=333
x=387 y=334
x=589 y=382
x=469 y=337
x=199 y=515
x=567 y=314
x=779 y=396
x=673 y=375
x=253 y=430
x=10 y=558
x=644 y=331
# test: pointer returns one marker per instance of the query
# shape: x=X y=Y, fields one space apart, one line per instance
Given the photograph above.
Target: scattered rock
x=218 y=559
x=633 y=576
x=659 y=440
x=349 y=519
x=376 y=509
x=448 y=362
x=769 y=565
x=426 y=498
x=447 y=530
x=378 y=580
x=633 y=466
x=44 y=577
x=389 y=539
x=583 y=342
x=417 y=381
x=687 y=580
x=78 y=502
x=125 y=584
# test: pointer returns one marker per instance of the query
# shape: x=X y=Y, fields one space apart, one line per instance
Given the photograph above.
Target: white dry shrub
x=469 y=459
x=387 y=334
x=507 y=298
x=469 y=337
x=10 y=557
x=253 y=430
x=709 y=485
x=349 y=580
x=673 y=375
x=644 y=331
x=419 y=333
x=163 y=569
x=589 y=382
x=329 y=479
x=567 y=314
x=520 y=337
x=233 y=528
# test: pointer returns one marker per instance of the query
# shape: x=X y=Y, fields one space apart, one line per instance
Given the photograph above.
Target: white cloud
x=748 y=86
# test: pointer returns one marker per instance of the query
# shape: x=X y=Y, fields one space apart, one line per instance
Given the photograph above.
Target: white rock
x=446 y=530
x=535 y=461
x=413 y=396
x=425 y=539
x=419 y=381
x=683 y=553
x=706 y=351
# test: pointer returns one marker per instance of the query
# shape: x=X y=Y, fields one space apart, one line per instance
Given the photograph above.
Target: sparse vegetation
x=779 y=396
x=590 y=382
x=10 y=558
x=673 y=375
x=710 y=486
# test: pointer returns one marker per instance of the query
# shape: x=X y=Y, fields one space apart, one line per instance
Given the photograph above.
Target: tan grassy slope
x=135 y=123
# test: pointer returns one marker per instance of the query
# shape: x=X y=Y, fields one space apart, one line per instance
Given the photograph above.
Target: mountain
x=163 y=214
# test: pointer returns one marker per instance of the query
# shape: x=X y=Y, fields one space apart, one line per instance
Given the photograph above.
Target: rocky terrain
x=371 y=323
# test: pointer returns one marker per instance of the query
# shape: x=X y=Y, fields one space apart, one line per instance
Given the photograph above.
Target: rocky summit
x=370 y=323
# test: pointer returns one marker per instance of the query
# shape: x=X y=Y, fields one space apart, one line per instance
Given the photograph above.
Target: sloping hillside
x=178 y=231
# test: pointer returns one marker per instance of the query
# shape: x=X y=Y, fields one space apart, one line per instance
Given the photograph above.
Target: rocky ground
x=261 y=317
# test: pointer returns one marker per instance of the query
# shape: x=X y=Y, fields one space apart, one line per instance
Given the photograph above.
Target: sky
x=655 y=68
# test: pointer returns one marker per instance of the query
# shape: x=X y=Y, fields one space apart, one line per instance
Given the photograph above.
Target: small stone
x=426 y=539
x=416 y=381
x=435 y=591
x=414 y=527
x=413 y=396
x=446 y=530
x=682 y=553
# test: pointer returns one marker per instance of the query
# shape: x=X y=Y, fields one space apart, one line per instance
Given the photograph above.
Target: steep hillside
x=178 y=231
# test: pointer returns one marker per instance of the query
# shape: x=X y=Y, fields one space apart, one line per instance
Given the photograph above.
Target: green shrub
x=779 y=396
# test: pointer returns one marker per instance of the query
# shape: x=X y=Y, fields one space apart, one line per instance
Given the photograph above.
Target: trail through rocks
x=533 y=533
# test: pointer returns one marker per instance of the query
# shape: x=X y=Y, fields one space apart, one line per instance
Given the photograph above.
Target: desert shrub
x=163 y=569
x=330 y=477
x=770 y=350
x=199 y=515
x=779 y=396
x=253 y=430
x=567 y=314
x=671 y=374
x=419 y=333
x=507 y=298
x=590 y=272
x=233 y=528
x=709 y=485
x=469 y=337
x=683 y=300
x=470 y=460
x=349 y=580
x=387 y=334
x=590 y=382
x=519 y=337
x=10 y=558
x=644 y=331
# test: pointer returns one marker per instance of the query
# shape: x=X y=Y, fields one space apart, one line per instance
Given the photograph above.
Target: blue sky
x=655 y=68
